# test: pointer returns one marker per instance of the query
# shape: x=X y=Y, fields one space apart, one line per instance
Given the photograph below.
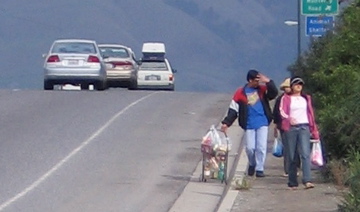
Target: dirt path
x=272 y=194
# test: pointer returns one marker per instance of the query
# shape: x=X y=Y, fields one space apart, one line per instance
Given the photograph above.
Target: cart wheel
x=202 y=165
x=202 y=178
x=225 y=175
x=224 y=179
x=225 y=168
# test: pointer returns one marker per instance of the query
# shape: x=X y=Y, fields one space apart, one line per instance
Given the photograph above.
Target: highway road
x=115 y=150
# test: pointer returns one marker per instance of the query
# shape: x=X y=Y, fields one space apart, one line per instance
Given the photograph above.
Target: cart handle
x=222 y=132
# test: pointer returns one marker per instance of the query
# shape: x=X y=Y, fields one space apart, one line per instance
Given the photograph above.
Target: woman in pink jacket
x=298 y=123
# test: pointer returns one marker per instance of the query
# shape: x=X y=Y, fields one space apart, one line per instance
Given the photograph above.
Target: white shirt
x=298 y=110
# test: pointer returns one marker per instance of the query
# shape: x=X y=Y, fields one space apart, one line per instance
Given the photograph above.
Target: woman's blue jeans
x=298 y=138
x=286 y=155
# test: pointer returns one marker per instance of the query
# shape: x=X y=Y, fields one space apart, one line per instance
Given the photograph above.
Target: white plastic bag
x=316 y=155
x=216 y=140
x=206 y=143
x=277 y=148
x=221 y=141
x=210 y=140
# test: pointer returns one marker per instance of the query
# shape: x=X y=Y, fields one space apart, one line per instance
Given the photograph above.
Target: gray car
x=75 y=62
x=121 y=63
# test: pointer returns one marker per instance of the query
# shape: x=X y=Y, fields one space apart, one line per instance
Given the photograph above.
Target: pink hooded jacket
x=285 y=111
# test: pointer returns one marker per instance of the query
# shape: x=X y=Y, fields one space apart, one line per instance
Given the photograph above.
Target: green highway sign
x=319 y=7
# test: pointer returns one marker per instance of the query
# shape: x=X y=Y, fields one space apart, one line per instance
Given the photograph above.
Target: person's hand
x=224 y=128
x=276 y=133
x=315 y=136
x=263 y=78
x=315 y=140
x=292 y=121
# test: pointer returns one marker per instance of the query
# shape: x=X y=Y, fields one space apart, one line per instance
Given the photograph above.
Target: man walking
x=250 y=104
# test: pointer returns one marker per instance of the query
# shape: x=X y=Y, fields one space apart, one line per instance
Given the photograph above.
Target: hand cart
x=215 y=156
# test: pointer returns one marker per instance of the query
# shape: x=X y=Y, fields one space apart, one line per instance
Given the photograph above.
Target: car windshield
x=74 y=47
x=158 y=66
x=116 y=52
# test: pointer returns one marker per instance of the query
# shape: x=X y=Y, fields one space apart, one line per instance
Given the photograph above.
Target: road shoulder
x=206 y=196
x=272 y=194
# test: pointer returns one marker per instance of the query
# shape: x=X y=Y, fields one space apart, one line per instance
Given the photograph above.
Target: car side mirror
x=44 y=55
x=174 y=70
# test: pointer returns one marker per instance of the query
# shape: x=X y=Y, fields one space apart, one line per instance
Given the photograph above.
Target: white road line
x=69 y=156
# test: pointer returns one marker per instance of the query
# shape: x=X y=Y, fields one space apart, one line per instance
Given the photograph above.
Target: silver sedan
x=75 y=62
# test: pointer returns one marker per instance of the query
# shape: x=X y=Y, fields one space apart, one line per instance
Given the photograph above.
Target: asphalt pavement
x=100 y=151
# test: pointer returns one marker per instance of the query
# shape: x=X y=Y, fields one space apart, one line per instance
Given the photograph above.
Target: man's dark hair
x=252 y=74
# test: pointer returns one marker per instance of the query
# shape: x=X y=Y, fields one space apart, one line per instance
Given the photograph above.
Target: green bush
x=351 y=200
x=331 y=70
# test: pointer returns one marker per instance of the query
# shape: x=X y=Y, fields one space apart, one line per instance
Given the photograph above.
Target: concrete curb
x=230 y=196
x=213 y=195
x=230 y=193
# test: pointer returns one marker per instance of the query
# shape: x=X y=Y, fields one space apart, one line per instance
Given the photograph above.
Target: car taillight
x=53 y=59
x=93 y=59
x=171 y=77
x=123 y=64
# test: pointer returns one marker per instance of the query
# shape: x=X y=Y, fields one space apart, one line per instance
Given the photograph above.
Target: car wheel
x=133 y=85
x=110 y=84
x=48 y=85
x=84 y=86
x=100 y=86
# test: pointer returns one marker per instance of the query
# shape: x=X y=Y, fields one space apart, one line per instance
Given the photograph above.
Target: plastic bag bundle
x=206 y=144
x=223 y=144
x=316 y=156
x=277 y=150
x=214 y=141
x=210 y=140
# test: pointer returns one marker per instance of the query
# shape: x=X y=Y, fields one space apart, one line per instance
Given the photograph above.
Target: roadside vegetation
x=331 y=70
x=242 y=184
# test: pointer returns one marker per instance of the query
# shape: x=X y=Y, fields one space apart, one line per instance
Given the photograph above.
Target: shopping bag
x=206 y=144
x=316 y=156
x=277 y=150
x=214 y=140
x=210 y=141
x=223 y=142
